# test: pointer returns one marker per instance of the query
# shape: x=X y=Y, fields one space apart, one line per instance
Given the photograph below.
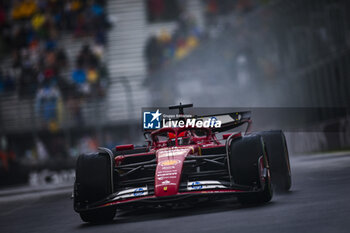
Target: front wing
x=145 y=195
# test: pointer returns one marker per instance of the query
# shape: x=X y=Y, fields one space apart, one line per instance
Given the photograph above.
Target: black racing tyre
x=244 y=155
x=279 y=159
x=94 y=181
x=257 y=198
x=98 y=215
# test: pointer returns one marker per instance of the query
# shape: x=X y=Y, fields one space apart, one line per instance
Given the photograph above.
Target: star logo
x=156 y=115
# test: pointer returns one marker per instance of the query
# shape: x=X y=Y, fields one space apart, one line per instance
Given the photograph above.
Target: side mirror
x=146 y=135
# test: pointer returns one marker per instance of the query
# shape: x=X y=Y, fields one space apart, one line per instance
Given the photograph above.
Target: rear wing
x=228 y=120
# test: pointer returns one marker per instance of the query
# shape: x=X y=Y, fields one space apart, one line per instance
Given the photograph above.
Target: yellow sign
x=169 y=162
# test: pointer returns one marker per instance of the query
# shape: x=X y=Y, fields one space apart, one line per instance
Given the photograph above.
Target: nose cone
x=169 y=168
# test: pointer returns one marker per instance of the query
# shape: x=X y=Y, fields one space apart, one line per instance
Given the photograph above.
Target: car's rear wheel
x=94 y=181
x=249 y=167
x=279 y=159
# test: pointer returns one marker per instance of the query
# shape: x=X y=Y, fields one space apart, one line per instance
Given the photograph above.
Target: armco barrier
x=328 y=136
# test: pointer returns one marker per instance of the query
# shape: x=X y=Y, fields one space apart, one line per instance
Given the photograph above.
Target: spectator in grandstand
x=74 y=107
x=9 y=82
x=166 y=47
x=163 y=10
x=79 y=79
x=153 y=53
x=23 y=9
x=7 y=159
x=47 y=104
x=27 y=80
x=100 y=37
x=156 y=9
x=92 y=77
x=41 y=150
x=61 y=58
x=89 y=76
x=87 y=58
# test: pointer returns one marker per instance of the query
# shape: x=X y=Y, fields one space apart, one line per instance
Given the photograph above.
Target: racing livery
x=182 y=164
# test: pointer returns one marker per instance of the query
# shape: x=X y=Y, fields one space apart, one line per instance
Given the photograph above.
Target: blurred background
x=75 y=74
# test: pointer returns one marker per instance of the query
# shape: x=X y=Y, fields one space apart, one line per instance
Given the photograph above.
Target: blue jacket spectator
x=79 y=76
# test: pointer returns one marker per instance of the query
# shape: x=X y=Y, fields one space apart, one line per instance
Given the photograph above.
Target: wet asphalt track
x=319 y=202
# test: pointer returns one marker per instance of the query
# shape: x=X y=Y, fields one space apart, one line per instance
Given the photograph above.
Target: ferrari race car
x=183 y=164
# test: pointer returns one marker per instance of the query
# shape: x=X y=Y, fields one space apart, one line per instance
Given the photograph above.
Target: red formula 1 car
x=183 y=164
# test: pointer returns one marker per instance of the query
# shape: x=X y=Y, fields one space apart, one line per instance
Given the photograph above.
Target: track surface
x=319 y=202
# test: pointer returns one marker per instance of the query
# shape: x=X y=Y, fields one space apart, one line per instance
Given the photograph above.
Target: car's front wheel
x=249 y=167
x=94 y=181
x=98 y=215
x=278 y=158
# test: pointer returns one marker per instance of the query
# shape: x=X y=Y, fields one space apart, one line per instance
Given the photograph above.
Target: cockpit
x=168 y=137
